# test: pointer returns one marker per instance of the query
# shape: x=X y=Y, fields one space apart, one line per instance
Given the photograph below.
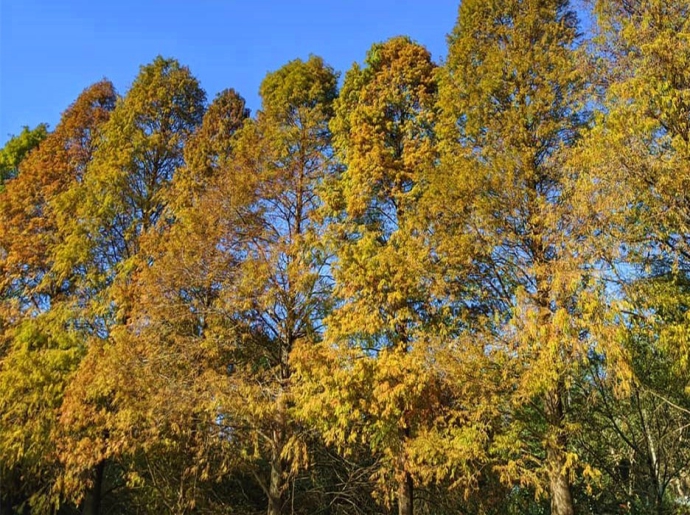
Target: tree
x=511 y=106
x=231 y=287
x=283 y=294
x=122 y=195
x=210 y=148
x=372 y=380
x=41 y=344
x=636 y=438
x=17 y=148
x=639 y=150
x=646 y=162
x=174 y=349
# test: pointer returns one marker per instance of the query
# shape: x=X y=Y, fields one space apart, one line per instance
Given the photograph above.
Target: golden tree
x=512 y=107
x=42 y=342
x=374 y=379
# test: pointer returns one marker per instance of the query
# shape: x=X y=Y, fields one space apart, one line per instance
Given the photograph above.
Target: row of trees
x=436 y=289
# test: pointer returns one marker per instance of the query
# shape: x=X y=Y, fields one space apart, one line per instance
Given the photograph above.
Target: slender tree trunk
x=659 y=501
x=92 y=501
x=652 y=459
x=559 y=484
x=406 y=487
x=275 y=487
x=406 y=496
x=559 y=481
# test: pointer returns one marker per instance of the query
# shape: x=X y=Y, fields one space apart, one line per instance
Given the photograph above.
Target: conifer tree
x=41 y=343
x=121 y=196
x=283 y=293
x=511 y=108
x=209 y=150
x=639 y=151
x=371 y=381
x=233 y=285
x=177 y=339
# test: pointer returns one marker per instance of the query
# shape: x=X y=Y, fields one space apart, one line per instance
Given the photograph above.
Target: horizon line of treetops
x=434 y=289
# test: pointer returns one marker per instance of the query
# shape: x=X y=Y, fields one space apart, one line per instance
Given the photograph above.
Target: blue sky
x=50 y=50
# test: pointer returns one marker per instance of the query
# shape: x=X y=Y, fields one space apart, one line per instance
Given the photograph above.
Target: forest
x=416 y=288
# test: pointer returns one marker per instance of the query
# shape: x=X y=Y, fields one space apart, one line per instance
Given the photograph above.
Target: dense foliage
x=434 y=289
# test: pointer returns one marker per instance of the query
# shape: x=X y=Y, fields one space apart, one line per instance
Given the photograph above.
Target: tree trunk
x=275 y=487
x=92 y=501
x=405 y=496
x=559 y=481
x=559 y=484
x=406 y=486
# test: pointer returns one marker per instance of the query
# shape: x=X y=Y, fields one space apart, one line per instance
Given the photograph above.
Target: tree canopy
x=431 y=287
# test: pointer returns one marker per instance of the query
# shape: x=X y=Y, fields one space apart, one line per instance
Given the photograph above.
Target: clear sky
x=50 y=50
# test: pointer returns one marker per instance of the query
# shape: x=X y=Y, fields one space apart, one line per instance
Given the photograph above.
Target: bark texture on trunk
x=275 y=488
x=276 y=485
x=559 y=484
x=559 y=480
x=406 y=496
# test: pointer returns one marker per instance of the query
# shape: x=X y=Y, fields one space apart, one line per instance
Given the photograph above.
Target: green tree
x=636 y=438
x=17 y=148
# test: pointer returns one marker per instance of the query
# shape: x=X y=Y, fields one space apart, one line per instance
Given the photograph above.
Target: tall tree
x=234 y=284
x=169 y=356
x=284 y=293
x=371 y=380
x=122 y=195
x=642 y=148
x=41 y=344
x=640 y=152
x=511 y=108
